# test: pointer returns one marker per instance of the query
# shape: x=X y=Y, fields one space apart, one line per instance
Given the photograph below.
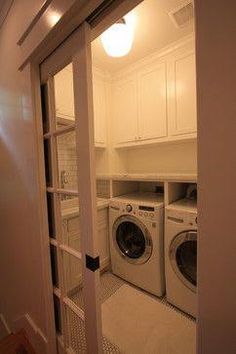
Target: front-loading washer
x=181 y=255
x=137 y=241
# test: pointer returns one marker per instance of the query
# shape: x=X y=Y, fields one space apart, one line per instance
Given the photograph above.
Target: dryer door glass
x=186 y=258
x=130 y=239
x=183 y=257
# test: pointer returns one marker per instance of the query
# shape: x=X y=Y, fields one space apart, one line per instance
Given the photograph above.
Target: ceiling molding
x=4 y=9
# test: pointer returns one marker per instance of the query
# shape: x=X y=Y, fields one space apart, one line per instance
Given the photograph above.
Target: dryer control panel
x=180 y=217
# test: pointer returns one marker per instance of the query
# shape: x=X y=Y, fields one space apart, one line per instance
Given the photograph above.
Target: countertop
x=150 y=177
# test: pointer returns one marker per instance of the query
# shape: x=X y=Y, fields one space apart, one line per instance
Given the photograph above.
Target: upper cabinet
x=64 y=97
x=155 y=100
x=182 y=100
x=139 y=106
x=100 y=106
x=152 y=102
x=124 y=110
x=64 y=94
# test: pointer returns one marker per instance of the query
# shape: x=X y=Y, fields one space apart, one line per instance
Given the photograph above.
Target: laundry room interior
x=145 y=157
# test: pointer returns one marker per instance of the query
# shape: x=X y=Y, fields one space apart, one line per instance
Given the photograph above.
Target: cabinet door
x=125 y=110
x=64 y=93
x=72 y=238
x=183 y=117
x=100 y=110
x=75 y=266
x=152 y=119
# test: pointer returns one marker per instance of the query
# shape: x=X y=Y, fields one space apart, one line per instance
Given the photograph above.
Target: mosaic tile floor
x=109 y=285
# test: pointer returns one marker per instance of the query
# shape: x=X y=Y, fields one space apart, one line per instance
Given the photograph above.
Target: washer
x=137 y=241
x=181 y=255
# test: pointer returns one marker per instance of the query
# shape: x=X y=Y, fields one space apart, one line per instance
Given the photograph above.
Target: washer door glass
x=130 y=239
x=183 y=255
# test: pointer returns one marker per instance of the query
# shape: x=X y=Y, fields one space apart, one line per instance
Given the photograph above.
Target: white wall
x=21 y=269
x=216 y=84
x=167 y=158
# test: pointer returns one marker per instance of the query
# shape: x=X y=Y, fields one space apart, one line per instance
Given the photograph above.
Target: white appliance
x=181 y=255
x=136 y=240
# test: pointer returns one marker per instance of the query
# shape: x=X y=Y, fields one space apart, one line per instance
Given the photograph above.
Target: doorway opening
x=133 y=180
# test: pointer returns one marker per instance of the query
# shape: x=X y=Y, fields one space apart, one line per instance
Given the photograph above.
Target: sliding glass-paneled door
x=78 y=221
x=68 y=138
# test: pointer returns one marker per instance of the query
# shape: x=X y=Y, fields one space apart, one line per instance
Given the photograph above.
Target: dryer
x=181 y=255
x=137 y=241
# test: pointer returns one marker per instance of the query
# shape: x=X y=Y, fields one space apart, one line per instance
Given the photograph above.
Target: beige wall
x=21 y=268
x=216 y=73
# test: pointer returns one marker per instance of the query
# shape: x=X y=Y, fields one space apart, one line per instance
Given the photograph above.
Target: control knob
x=129 y=208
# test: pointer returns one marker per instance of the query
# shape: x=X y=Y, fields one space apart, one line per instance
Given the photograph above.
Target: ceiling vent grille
x=182 y=15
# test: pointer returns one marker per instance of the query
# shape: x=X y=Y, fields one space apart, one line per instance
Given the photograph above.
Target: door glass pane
x=186 y=259
x=75 y=332
x=73 y=278
x=64 y=97
x=67 y=161
x=70 y=221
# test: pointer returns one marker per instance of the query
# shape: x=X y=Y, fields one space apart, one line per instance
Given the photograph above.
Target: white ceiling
x=154 y=30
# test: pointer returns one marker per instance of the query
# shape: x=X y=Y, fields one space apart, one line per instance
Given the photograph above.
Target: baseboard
x=34 y=333
x=4 y=328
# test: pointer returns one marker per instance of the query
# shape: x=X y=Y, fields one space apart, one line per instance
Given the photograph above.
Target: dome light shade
x=53 y=17
x=117 y=40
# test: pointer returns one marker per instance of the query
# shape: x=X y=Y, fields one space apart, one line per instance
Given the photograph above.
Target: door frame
x=117 y=9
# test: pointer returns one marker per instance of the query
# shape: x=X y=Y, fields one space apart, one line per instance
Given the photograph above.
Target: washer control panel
x=142 y=211
x=146 y=214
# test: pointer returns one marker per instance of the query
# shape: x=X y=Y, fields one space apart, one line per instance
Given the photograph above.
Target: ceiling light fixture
x=53 y=17
x=117 y=40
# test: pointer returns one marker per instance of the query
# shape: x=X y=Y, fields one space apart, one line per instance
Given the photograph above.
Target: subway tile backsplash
x=67 y=166
x=103 y=188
